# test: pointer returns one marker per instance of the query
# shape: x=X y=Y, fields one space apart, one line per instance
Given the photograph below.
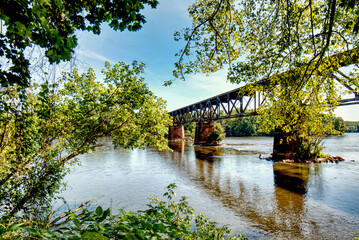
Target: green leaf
x=16 y=226
x=99 y=211
x=93 y=236
x=77 y=223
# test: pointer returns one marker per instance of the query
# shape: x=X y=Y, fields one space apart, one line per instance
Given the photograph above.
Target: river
x=231 y=185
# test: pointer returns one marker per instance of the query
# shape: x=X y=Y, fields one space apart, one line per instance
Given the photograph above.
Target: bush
x=162 y=220
x=217 y=135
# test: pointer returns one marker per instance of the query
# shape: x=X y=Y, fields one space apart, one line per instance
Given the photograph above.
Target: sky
x=154 y=45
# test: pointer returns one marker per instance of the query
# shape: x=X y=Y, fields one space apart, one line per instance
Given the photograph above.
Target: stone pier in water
x=202 y=135
x=203 y=132
x=283 y=146
x=176 y=132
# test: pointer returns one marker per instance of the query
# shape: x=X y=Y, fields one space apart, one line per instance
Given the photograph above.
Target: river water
x=231 y=185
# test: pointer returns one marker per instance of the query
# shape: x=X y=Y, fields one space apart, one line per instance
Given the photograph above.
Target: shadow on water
x=275 y=203
x=293 y=177
x=208 y=153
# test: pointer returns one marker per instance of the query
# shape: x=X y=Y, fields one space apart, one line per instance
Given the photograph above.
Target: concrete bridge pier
x=203 y=132
x=176 y=132
x=283 y=146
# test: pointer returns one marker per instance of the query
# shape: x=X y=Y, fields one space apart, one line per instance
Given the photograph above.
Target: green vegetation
x=45 y=127
x=352 y=126
x=190 y=129
x=339 y=125
x=245 y=126
x=297 y=49
x=162 y=220
x=250 y=126
x=217 y=135
x=52 y=24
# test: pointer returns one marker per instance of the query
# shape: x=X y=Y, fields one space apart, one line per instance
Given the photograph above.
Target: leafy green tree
x=244 y=126
x=293 y=51
x=339 y=125
x=52 y=24
x=217 y=135
x=352 y=126
x=44 y=129
x=190 y=129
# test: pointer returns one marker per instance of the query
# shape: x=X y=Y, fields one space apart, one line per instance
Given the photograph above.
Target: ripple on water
x=232 y=185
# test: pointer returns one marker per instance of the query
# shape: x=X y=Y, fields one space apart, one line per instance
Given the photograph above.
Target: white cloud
x=196 y=88
x=93 y=55
x=213 y=84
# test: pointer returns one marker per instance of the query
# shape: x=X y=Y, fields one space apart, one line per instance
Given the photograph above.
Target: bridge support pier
x=176 y=132
x=283 y=146
x=203 y=132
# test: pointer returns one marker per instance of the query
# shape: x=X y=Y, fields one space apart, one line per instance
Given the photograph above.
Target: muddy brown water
x=231 y=185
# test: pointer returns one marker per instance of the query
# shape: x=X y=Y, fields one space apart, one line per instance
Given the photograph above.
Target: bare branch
x=186 y=48
x=67 y=214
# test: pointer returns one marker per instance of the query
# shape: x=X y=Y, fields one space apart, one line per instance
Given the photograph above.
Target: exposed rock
x=318 y=160
x=332 y=159
x=288 y=161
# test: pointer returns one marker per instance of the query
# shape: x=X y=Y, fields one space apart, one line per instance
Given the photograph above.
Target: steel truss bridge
x=231 y=104
x=239 y=103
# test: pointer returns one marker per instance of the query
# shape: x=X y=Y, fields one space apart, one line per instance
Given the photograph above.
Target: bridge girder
x=227 y=105
x=238 y=103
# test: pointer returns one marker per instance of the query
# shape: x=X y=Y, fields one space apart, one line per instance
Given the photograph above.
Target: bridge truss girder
x=230 y=105
x=236 y=103
x=227 y=105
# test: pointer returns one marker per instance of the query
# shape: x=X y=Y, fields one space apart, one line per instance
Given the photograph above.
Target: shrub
x=162 y=220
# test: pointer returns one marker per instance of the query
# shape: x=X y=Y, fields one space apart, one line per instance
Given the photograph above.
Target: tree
x=292 y=50
x=52 y=25
x=44 y=129
x=190 y=129
x=217 y=135
x=352 y=126
x=244 y=126
x=339 y=125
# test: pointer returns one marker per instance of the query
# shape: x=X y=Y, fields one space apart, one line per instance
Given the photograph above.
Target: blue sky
x=154 y=45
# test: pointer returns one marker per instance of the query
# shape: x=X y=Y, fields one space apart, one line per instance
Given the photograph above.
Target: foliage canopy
x=292 y=51
x=44 y=129
x=352 y=126
x=52 y=25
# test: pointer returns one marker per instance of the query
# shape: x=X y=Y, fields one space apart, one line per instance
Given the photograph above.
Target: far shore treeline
x=249 y=126
x=352 y=126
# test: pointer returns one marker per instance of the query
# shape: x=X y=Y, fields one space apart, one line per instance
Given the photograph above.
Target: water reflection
x=232 y=185
x=177 y=146
x=293 y=177
x=208 y=153
x=276 y=203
